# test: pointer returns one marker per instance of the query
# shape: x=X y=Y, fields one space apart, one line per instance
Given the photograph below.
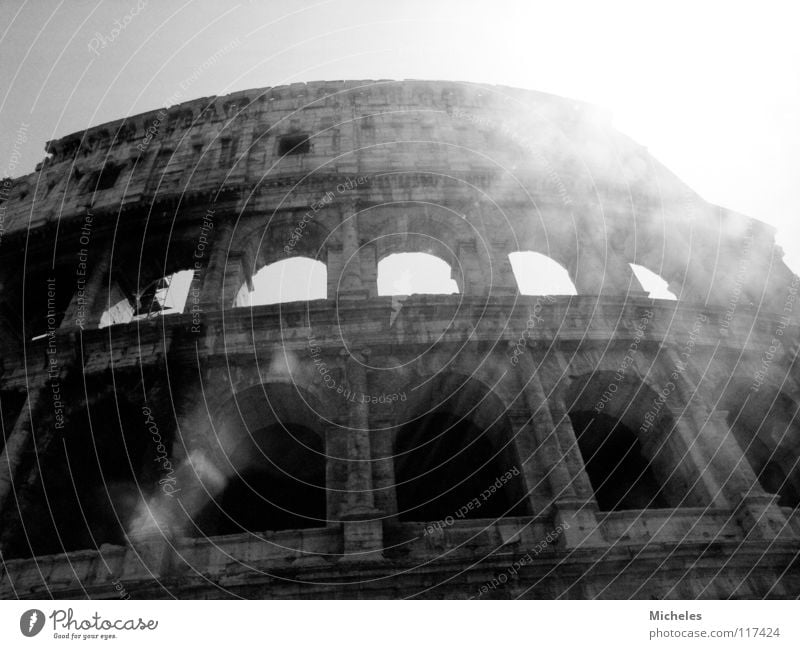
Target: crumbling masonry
x=479 y=444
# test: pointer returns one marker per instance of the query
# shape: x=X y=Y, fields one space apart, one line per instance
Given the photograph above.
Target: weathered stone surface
x=121 y=439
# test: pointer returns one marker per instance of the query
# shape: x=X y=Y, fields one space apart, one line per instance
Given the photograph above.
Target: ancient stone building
x=482 y=443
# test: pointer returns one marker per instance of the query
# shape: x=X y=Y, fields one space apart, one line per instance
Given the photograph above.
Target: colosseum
x=170 y=432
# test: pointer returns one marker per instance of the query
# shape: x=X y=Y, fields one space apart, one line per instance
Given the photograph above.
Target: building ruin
x=484 y=443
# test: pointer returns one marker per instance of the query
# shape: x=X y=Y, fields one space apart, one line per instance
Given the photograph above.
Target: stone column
x=569 y=443
x=474 y=277
x=725 y=467
x=335 y=266
x=222 y=275
x=675 y=451
x=601 y=271
x=83 y=307
x=363 y=527
x=384 y=479
x=236 y=274
x=336 y=467
x=17 y=443
x=154 y=542
x=534 y=468
x=503 y=279
x=351 y=286
x=679 y=446
x=574 y=513
x=715 y=451
x=369 y=269
x=27 y=441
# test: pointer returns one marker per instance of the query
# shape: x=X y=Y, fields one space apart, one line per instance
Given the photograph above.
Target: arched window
x=537 y=274
x=164 y=296
x=407 y=273
x=120 y=311
x=150 y=277
x=653 y=283
x=443 y=462
x=620 y=474
x=298 y=279
x=277 y=483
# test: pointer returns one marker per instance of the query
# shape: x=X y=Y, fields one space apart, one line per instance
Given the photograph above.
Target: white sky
x=712 y=89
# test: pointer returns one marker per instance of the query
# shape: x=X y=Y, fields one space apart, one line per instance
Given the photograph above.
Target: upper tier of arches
x=343 y=251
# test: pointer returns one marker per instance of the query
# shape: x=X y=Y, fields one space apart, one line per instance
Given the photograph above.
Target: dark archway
x=625 y=434
x=91 y=477
x=280 y=484
x=766 y=425
x=270 y=462
x=444 y=463
x=619 y=473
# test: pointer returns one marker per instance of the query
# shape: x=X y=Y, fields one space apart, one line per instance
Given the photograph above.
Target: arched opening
x=619 y=473
x=626 y=438
x=538 y=274
x=278 y=483
x=92 y=478
x=409 y=273
x=268 y=463
x=298 y=279
x=656 y=286
x=164 y=296
x=456 y=457
x=444 y=463
x=151 y=277
x=767 y=428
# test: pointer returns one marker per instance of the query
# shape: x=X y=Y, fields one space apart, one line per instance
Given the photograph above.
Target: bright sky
x=712 y=89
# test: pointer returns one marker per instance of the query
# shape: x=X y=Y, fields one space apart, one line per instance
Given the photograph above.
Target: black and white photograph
x=305 y=302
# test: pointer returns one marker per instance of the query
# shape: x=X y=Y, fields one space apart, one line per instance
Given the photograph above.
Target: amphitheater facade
x=485 y=443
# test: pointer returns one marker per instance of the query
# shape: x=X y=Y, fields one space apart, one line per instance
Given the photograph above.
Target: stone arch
x=411 y=227
x=653 y=283
x=268 y=450
x=687 y=253
x=285 y=370
x=93 y=474
x=407 y=273
x=454 y=454
x=296 y=279
x=624 y=430
x=545 y=232
x=765 y=422
x=549 y=277
x=154 y=277
x=283 y=235
x=37 y=300
x=286 y=235
x=559 y=234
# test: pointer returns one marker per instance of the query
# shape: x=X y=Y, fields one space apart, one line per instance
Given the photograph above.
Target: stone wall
x=119 y=440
